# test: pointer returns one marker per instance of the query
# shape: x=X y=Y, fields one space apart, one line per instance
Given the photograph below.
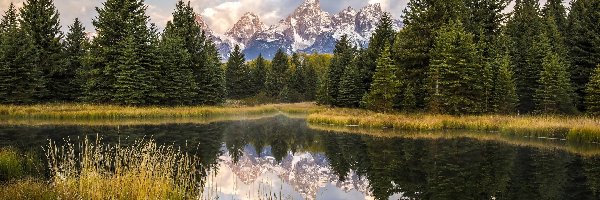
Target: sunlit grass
x=145 y=170
x=580 y=129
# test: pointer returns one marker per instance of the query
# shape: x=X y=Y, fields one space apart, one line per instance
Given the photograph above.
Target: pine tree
x=525 y=28
x=210 y=77
x=275 y=78
x=504 y=95
x=178 y=86
x=259 y=75
x=311 y=81
x=343 y=56
x=555 y=93
x=297 y=81
x=20 y=78
x=385 y=85
x=40 y=21
x=592 y=100
x=75 y=49
x=584 y=43
x=556 y=10
x=409 y=100
x=351 y=88
x=384 y=34
x=133 y=83
x=453 y=82
x=237 y=75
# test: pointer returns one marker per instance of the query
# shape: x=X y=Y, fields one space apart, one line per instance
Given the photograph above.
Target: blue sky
x=219 y=14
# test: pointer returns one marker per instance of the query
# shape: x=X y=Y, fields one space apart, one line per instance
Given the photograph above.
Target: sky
x=220 y=15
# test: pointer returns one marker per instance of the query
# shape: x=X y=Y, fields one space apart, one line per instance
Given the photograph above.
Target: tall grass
x=87 y=111
x=144 y=170
x=11 y=166
x=578 y=129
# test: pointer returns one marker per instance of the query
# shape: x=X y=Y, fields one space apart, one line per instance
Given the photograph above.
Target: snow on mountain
x=307 y=29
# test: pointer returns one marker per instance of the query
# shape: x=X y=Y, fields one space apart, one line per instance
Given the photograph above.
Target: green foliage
x=133 y=83
x=583 y=42
x=40 y=22
x=525 y=28
x=10 y=165
x=210 y=76
x=21 y=80
x=555 y=93
x=275 y=78
x=259 y=74
x=75 y=49
x=454 y=82
x=592 y=100
x=237 y=75
x=504 y=95
x=385 y=84
x=351 y=88
x=177 y=83
x=384 y=34
x=343 y=56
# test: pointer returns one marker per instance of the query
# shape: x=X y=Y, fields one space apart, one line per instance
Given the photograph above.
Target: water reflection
x=282 y=157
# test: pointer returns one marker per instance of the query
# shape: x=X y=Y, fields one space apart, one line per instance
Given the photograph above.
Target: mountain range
x=308 y=29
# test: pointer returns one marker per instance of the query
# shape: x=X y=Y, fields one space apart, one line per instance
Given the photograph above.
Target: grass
x=576 y=129
x=145 y=170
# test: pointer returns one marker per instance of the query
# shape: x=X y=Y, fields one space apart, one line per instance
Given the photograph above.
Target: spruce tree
x=384 y=88
x=40 y=21
x=259 y=75
x=555 y=93
x=504 y=95
x=525 y=28
x=237 y=75
x=453 y=78
x=177 y=83
x=311 y=81
x=351 y=87
x=75 y=49
x=210 y=76
x=384 y=34
x=20 y=77
x=275 y=78
x=584 y=43
x=297 y=79
x=133 y=83
x=343 y=56
x=556 y=10
x=592 y=100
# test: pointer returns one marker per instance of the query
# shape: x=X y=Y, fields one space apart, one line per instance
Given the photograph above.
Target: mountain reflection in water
x=282 y=157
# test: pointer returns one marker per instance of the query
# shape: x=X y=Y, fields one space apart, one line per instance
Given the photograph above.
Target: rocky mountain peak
x=243 y=30
x=202 y=24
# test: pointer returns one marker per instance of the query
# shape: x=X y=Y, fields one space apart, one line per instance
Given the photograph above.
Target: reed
x=92 y=112
x=579 y=129
x=144 y=170
x=11 y=166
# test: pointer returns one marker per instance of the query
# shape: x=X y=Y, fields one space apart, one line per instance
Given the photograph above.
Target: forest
x=453 y=57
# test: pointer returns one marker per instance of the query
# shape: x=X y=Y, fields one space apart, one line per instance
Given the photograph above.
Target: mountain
x=307 y=29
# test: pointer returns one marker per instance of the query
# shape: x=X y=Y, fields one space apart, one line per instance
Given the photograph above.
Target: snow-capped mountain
x=307 y=29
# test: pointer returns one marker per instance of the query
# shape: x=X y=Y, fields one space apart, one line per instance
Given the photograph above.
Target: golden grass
x=579 y=129
x=145 y=170
x=92 y=112
x=28 y=189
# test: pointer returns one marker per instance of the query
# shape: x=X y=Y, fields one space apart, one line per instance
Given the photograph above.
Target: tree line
x=470 y=57
x=129 y=62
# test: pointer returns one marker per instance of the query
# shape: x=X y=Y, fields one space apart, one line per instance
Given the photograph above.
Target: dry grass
x=579 y=129
x=28 y=189
x=91 y=112
x=145 y=170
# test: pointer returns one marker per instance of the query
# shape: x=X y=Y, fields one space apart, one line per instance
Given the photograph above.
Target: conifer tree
x=453 y=82
x=343 y=56
x=525 y=28
x=178 y=86
x=583 y=43
x=409 y=101
x=384 y=34
x=133 y=82
x=75 y=49
x=592 y=100
x=311 y=81
x=20 y=78
x=384 y=88
x=555 y=93
x=556 y=10
x=504 y=95
x=259 y=74
x=237 y=75
x=351 y=87
x=297 y=79
x=275 y=78
x=40 y=21
x=210 y=77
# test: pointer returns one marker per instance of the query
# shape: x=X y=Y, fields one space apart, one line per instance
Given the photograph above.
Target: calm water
x=282 y=156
